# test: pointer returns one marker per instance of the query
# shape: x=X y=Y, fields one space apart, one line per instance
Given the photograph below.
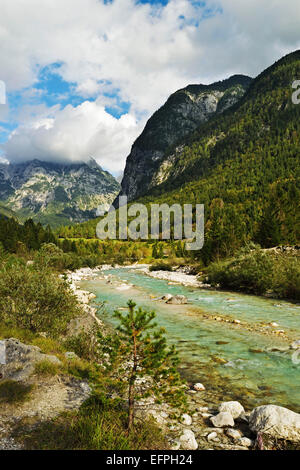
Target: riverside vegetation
x=37 y=307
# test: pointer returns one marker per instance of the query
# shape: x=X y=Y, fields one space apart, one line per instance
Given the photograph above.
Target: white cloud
x=145 y=52
x=75 y=134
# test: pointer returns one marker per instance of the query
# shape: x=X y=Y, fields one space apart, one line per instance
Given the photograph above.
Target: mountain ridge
x=244 y=167
x=55 y=193
x=181 y=114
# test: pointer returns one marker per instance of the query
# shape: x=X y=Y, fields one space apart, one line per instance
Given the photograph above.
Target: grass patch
x=14 y=392
x=21 y=334
x=46 y=368
x=100 y=424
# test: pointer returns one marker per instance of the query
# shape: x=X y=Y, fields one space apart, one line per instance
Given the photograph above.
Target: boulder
x=276 y=421
x=188 y=440
x=17 y=360
x=186 y=419
x=177 y=300
x=222 y=420
x=233 y=407
x=199 y=387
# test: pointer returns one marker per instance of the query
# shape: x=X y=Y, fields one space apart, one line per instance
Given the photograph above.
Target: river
x=232 y=361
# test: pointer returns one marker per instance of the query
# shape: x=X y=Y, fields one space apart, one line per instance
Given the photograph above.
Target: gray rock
x=20 y=360
x=245 y=442
x=233 y=407
x=222 y=420
x=276 y=421
x=212 y=436
x=188 y=440
x=177 y=300
x=186 y=419
x=199 y=387
x=166 y=297
x=233 y=433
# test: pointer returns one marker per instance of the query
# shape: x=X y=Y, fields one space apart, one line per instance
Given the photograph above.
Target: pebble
x=245 y=442
x=233 y=433
x=199 y=387
x=186 y=419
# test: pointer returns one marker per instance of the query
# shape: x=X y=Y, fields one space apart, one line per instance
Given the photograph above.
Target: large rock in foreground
x=276 y=421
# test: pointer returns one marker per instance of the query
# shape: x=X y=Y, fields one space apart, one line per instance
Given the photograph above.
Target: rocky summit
x=55 y=193
x=184 y=111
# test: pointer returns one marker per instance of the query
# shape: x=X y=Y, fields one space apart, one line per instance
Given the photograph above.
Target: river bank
x=172 y=278
x=203 y=407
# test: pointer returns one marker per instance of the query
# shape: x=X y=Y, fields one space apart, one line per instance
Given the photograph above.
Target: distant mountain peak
x=56 y=193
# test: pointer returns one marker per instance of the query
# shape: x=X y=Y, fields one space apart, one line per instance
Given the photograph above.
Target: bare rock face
x=150 y=160
x=18 y=359
x=276 y=421
x=63 y=191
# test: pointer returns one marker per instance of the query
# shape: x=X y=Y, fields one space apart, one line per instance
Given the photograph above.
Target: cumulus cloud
x=143 y=51
x=74 y=134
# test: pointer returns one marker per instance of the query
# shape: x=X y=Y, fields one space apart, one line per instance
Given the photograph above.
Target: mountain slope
x=183 y=112
x=244 y=166
x=55 y=193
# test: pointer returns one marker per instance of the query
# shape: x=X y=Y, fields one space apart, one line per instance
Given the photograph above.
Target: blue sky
x=83 y=76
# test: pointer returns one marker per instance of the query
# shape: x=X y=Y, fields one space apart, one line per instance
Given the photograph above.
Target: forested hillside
x=15 y=237
x=245 y=167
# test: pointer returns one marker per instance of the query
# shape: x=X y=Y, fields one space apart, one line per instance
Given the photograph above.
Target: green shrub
x=160 y=267
x=287 y=278
x=84 y=344
x=36 y=299
x=258 y=272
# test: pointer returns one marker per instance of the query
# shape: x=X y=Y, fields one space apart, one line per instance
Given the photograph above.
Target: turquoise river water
x=231 y=361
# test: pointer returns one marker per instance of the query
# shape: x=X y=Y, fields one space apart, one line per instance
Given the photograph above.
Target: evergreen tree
x=139 y=349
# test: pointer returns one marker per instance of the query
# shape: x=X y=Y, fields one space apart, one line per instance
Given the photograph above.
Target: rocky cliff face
x=184 y=111
x=55 y=193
